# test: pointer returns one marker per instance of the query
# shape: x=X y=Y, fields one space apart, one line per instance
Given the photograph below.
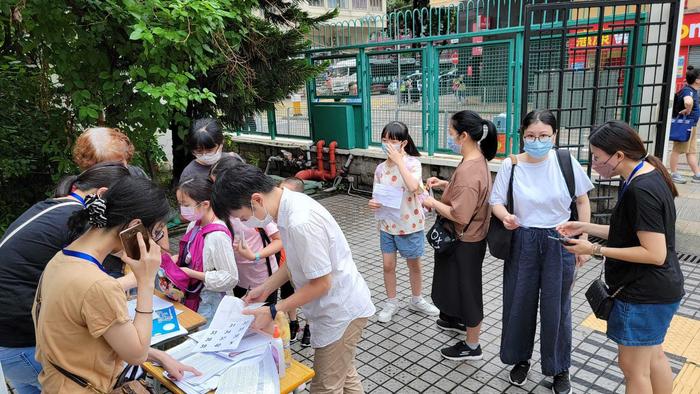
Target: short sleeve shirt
x=688 y=91
x=412 y=215
x=252 y=273
x=315 y=246
x=79 y=303
x=646 y=205
x=22 y=260
x=467 y=194
x=196 y=170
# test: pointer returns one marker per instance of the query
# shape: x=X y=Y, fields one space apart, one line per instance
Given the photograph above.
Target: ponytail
x=489 y=140
x=656 y=162
x=399 y=131
x=65 y=186
x=480 y=130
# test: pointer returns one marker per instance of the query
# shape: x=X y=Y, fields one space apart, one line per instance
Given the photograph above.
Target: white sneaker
x=385 y=315
x=424 y=306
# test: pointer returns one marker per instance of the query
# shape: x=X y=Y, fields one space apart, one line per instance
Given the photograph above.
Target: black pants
x=240 y=292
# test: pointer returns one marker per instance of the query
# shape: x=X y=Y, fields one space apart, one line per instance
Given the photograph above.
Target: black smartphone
x=562 y=240
x=131 y=243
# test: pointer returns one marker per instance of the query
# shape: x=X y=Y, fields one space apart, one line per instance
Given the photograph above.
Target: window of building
x=359 y=4
x=342 y=4
x=375 y=4
x=315 y=3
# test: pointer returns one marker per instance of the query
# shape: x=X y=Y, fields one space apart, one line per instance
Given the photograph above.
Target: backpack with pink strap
x=172 y=280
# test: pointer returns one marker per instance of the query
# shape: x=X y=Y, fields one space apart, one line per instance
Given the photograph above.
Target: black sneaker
x=455 y=327
x=460 y=351
x=306 y=337
x=562 y=383
x=518 y=375
x=293 y=330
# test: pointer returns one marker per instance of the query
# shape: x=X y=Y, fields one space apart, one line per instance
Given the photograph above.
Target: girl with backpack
x=206 y=265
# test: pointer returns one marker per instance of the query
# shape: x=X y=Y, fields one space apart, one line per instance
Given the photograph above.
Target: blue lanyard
x=85 y=257
x=77 y=197
x=627 y=181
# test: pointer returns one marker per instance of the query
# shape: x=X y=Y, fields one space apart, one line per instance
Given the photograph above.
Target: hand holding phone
x=148 y=262
x=130 y=243
x=562 y=240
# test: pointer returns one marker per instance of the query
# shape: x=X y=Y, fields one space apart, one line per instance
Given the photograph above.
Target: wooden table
x=188 y=319
x=296 y=375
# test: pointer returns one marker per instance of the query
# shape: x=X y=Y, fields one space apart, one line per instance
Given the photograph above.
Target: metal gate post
x=365 y=84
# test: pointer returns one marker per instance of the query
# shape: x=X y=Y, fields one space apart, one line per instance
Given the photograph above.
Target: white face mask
x=254 y=222
x=208 y=159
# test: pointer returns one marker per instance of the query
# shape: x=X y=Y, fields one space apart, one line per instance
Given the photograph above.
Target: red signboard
x=455 y=58
x=690 y=31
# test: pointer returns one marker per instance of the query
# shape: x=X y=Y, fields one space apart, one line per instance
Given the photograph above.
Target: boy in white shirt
x=329 y=289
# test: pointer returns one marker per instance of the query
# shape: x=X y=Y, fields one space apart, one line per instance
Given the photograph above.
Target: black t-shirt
x=22 y=260
x=647 y=205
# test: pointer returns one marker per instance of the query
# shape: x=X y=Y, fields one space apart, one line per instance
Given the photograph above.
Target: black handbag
x=442 y=236
x=499 y=237
x=599 y=297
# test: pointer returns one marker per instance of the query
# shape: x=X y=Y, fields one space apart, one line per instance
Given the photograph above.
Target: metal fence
x=589 y=61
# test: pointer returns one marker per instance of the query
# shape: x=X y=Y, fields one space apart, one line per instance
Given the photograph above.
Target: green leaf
x=136 y=34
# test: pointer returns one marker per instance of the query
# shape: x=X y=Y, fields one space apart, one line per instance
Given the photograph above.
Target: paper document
x=226 y=338
x=165 y=325
x=253 y=376
x=230 y=309
x=388 y=196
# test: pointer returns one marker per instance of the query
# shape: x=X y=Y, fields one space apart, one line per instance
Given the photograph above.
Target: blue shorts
x=410 y=246
x=640 y=324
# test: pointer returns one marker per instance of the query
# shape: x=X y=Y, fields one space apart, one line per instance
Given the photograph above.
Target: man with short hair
x=333 y=295
x=691 y=102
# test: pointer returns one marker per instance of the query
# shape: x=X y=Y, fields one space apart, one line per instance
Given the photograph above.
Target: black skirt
x=457 y=285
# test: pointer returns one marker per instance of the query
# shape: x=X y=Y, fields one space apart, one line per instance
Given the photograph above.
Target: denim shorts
x=640 y=324
x=410 y=246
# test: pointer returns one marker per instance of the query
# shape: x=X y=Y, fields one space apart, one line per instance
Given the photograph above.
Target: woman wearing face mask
x=82 y=325
x=206 y=250
x=538 y=265
x=206 y=142
x=404 y=233
x=25 y=249
x=641 y=261
x=457 y=287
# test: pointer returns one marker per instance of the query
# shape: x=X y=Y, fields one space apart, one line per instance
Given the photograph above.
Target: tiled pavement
x=402 y=356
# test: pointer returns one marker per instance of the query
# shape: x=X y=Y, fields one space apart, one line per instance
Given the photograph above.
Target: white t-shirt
x=219 y=262
x=315 y=246
x=540 y=196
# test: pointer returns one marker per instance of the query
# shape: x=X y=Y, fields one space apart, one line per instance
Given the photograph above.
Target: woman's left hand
x=579 y=246
x=429 y=202
x=393 y=154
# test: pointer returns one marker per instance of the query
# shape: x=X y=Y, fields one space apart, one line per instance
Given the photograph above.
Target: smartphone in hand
x=562 y=240
x=131 y=243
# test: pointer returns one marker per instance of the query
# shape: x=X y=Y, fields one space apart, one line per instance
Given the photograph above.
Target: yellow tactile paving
x=688 y=380
x=682 y=339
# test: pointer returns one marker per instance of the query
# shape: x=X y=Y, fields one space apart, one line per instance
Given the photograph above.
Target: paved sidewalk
x=402 y=356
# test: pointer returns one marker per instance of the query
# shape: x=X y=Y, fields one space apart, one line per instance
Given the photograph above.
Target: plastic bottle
x=282 y=321
x=279 y=352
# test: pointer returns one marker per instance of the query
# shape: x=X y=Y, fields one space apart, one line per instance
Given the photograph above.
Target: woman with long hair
x=641 y=265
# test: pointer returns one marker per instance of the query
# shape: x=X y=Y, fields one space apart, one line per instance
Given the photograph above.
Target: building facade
x=689 y=52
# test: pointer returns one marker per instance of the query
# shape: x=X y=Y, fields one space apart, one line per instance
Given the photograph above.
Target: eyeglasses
x=542 y=138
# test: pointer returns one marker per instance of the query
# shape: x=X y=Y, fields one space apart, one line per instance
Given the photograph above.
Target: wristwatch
x=597 y=250
x=273 y=311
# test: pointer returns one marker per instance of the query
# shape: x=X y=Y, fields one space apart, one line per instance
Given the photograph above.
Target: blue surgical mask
x=386 y=150
x=538 y=149
x=453 y=146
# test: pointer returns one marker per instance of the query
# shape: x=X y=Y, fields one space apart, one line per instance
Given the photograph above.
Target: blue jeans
x=539 y=269
x=21 y=369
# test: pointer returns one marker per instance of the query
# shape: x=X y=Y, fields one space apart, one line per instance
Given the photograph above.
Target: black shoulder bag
x=499 y=237
x=567 y=169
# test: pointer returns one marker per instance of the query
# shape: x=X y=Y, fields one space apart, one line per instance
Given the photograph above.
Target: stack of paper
x=390 y=197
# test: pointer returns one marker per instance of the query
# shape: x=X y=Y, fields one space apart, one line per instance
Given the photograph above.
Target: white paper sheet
x=253 y=376
x=230 y=309
x=388 y=196
x=226 y=338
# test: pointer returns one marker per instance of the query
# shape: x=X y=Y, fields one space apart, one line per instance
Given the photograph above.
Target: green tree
x=144 y=66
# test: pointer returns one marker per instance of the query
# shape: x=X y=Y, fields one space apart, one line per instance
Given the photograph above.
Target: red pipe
x=320 y=174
